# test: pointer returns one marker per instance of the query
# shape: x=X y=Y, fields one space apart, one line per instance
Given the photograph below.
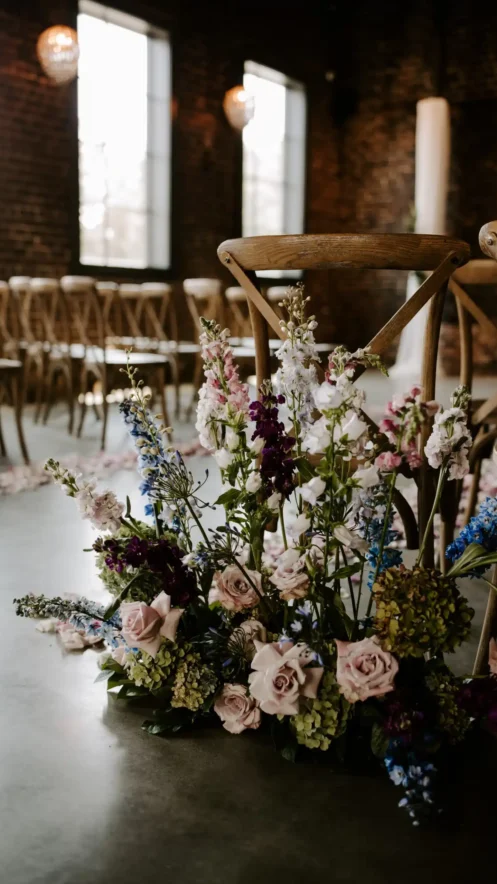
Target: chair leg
x=105 y=412
x=70 y=397
x=173 y=364
x=473 y=492
x=82 y=412
x=3 y=450
x=40 y=385
x=197 y=377
x=17 y=399
x=50 y=391
x=162 y=396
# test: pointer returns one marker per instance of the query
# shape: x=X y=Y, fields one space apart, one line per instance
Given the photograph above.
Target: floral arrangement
x=296 y=614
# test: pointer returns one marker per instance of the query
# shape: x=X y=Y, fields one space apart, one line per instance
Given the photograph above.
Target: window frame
x=106 y=271
x=259 y=69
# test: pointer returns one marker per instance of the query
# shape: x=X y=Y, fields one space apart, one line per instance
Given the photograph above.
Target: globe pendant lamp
x=58 y=53
x=239 y=107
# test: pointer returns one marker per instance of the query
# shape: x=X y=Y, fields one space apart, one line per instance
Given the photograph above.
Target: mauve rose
x=291 y=581
x=232 y=589
x=144 y=625
x=282 y=675
x=237 y=709
x=364 y=669
x=492 y=656
x=388 y=461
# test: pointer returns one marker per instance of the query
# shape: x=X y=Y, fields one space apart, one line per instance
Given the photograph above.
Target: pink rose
x=233 y=590
x=492 y=656
x=388 y=461
x=364 y=669
x=144 y=625
x=237 y=709
x=76 y=639
x=282 y=676
x=292 y=581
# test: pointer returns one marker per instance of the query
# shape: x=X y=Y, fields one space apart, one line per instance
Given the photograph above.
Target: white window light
x=124 y=99
x=274 y=156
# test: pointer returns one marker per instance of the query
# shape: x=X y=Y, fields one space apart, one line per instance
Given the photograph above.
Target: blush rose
x=145 y=625
x=237 y=709
x=364 y=669
x=234 y=591
x=282 y=676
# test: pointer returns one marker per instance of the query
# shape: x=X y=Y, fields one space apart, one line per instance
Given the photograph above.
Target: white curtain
x=432 y=178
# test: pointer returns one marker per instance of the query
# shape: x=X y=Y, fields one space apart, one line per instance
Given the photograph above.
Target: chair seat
x=181 y=347
x=10 y=364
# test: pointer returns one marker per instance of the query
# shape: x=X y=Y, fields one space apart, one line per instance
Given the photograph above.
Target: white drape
x=432 y=179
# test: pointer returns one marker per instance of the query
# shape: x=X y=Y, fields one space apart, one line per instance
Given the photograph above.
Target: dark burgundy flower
x=277 y=466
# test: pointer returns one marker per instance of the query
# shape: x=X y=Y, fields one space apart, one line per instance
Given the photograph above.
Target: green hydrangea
x=451 y=719
x=323 y=719
x=419 y=611
x=154 y=672
x=194 y=682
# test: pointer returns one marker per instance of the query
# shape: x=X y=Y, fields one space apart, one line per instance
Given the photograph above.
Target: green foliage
x=325 y=718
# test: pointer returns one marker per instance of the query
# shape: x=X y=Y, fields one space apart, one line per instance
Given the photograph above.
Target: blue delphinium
x=482 y=529
x=417 y=777
x=152 y=458
x=370 y=526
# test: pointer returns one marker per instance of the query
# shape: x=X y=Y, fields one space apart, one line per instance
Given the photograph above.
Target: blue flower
x=481 y=529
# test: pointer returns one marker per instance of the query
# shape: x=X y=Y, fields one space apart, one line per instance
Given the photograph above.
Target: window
x=124 y=89
x=273 y=154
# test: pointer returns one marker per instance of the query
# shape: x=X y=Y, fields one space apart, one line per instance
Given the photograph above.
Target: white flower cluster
x=103 y=510
x=450 y=442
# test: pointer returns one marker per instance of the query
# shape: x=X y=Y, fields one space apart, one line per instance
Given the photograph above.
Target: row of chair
x=76 y=330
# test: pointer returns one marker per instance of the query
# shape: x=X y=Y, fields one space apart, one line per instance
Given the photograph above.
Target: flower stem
x=282 y=523
x=388 y=508
x=440 y=485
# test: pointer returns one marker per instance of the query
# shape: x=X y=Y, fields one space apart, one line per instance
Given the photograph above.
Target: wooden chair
x=11 y=368
x=439 y=254
x=99 y=363
x=204 y=298
x=31 y=345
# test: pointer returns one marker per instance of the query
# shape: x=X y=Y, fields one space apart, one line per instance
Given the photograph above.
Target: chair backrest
x=47 y=295
x=9 y=330
x=30 y=322
x=204 y=298
x=438 y=254
x=86 y=325
x=238 y=316
x=107 y=292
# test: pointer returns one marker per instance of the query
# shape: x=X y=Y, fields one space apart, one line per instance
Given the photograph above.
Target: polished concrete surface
x=86 y=797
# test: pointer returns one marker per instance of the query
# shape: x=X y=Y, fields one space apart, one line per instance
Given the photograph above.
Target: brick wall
x=386 y=56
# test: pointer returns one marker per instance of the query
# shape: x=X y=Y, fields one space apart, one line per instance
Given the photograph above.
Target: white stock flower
x=232 y=439
x=327 y=396
x=103 y=510
x=313 y=489
x=223 y=458
x=350 y=540
x=256 y=445
x=253 y=482
x=353 y=427
x=289 y=558
x=317 y=438
x=300 y=526
x=368 y=477
x=274 y=501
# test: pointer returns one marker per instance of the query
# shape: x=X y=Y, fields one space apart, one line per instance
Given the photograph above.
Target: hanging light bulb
x=239 y=107
x=58 y=53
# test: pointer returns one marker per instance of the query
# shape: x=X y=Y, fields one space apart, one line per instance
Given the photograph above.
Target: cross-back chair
x=100 y=363
x=438 y=254
x=11 y=367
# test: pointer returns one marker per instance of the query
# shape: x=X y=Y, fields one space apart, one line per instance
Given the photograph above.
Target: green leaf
x=346 y=571
x=379 y=740
x=229 y=498
x=170 y=721
x=304 y=468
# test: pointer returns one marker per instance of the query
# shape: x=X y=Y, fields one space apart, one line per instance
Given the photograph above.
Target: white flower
x=256 y=445
x=350 y=540
x=253 y=482
x=274 y=501
x=327 y=396
x=223 y=458
x=368 y=477
x=47 y=625
x=289 y=558
x=232 y=439
x=313 y=489
x=353 y=427
x=300 y=526
x=103 y=510
x=317 y=438
x=189 y=559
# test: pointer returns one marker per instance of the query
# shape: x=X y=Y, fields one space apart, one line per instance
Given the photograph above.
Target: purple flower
x=277 y=465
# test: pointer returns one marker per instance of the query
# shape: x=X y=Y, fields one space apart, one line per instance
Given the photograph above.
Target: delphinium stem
x=388 y=508
x=440 y=485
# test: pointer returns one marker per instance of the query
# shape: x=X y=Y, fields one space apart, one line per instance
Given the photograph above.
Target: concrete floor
x=86 y=797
